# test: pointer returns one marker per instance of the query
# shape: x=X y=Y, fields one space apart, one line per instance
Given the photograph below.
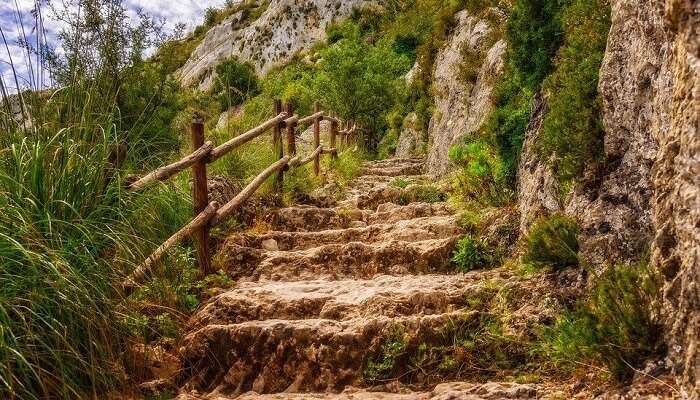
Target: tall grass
x=68 y=232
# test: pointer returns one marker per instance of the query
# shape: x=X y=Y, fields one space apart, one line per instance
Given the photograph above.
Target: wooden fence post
x=200 y=200
x=317 y=139
x=334 y=133
x=277 y=145
x=291 y=140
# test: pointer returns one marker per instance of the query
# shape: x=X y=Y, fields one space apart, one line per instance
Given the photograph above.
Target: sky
x=189 y=12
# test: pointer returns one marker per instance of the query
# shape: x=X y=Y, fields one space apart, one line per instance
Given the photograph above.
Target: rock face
x=411 y=138
x=614 y=206
x=648 y=194
x=285 y=28
x=676 y=200
x=461 y=109
x=537 y=187
x=646 y=197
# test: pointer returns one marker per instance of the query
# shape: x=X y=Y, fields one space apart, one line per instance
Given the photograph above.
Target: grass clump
x=381 y=367
x=481 y=178
x=421 y=194
x=471 y=253
x=552 y=242
x=613 y=327
x=235 y=82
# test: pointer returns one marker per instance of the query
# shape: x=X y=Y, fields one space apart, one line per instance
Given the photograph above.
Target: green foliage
x=573 y=130
x=613 y=327
x=68 y=231
x=421 y=194
x=471 y=253
x=235 y=82
x=382 y=366
x=535 y=33
x=482 y=177
x=359 y=80
x=552 y=242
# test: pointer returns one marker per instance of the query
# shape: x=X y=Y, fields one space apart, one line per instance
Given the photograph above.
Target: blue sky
x=190 y=12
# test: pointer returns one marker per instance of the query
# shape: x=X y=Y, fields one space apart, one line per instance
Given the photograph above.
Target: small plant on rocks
x=471 y=253
x=552 y=243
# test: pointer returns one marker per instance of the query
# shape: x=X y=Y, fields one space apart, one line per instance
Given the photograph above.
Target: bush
x=614 y=326
x=534 y=33
x=235 y=83
x=481 y=177
x=573 y=130
x=471 y=253
x=552 y=242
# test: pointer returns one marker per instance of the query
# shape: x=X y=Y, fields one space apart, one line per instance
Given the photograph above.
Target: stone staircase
x=319 y=295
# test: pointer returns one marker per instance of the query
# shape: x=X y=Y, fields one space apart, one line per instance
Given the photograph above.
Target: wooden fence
x=210 y=214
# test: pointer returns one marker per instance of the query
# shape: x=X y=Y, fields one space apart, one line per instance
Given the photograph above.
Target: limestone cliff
x=460 y=109
x=285 y=28
x=646 y=196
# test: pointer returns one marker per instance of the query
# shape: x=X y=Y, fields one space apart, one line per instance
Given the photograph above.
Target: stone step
x=276 y=356
x=393 y=170
x=339 y=260
x=389 y=162
x=445 y=391
x=310 y=218
x=390 y=212
x=437 y=227
x=384 y=295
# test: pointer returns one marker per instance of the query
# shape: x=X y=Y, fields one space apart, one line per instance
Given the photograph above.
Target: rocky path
x=320 y=294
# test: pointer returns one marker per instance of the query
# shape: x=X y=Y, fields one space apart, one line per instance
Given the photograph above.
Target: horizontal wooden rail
x=245 y=194
x=294 y=119
x=310 y=118
x=331 y=119
x=163 y=173
x=298 y=161
x=144 y=269
x=211 y=214
x=220 y=151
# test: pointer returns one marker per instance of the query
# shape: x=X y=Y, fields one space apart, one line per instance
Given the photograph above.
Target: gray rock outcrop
x=285 y=28
x=537 y=187
x=411 y=138
x=461 y=109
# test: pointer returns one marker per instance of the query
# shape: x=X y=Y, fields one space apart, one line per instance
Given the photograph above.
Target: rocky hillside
x=285 y=28
x=639 y=199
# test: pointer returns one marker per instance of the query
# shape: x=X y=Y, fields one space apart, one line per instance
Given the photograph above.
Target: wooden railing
x=210 y=214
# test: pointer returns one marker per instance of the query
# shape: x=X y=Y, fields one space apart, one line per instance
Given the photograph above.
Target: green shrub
x=552 y=242
x=421 y=194
x=613 y=327
x=471 y=253
x=573 y=130
x=481 y=176
x=235 y=82
x=534 y=33
x=382 y=366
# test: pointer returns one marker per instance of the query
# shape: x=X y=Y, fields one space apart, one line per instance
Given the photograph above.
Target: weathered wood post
x=334 y=133
x=291 y=127
x=277 y=145
x=200 y=199
x=317 y=139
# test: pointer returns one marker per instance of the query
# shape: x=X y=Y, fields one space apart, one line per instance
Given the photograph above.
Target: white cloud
x=173 y=12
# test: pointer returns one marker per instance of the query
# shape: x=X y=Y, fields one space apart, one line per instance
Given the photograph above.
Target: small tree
x=235 y=82
x=359 y=80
